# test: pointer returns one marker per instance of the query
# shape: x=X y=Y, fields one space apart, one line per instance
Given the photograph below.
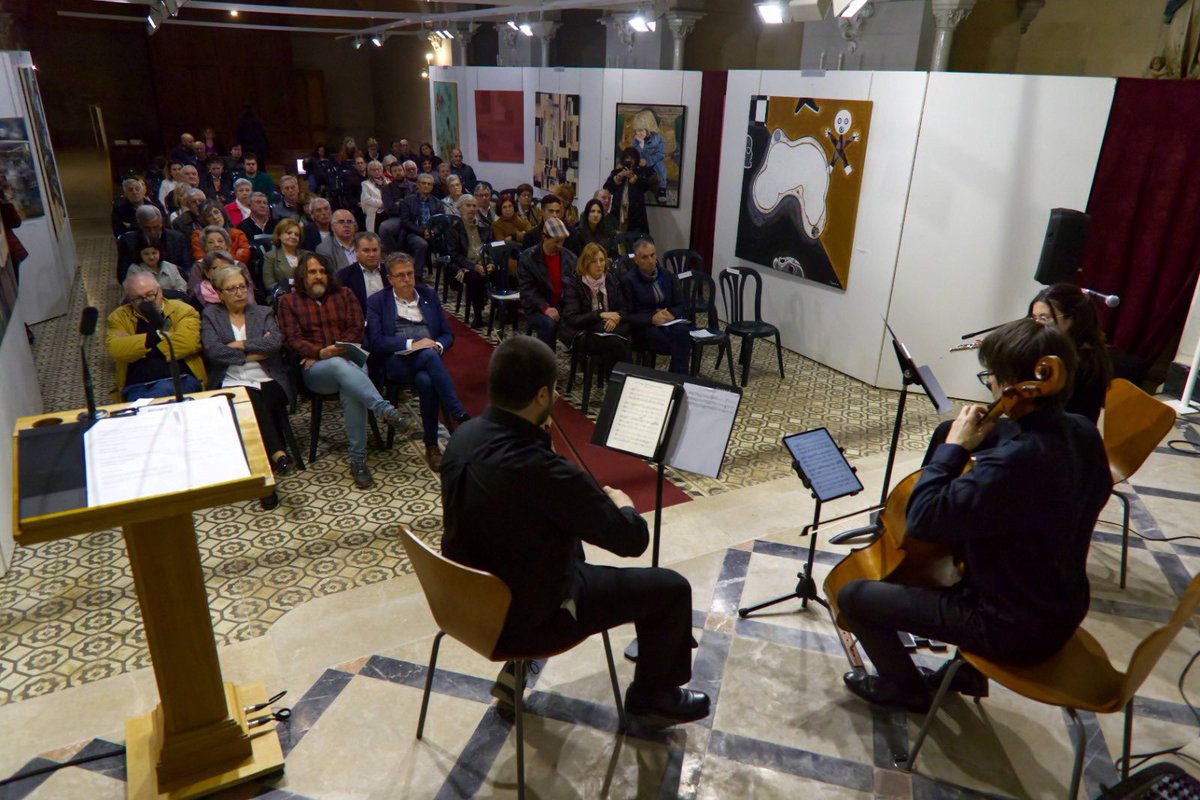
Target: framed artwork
x=804 y=164
x=500 y=126
x=445 y=116
x=41 y=139
x=17 y=167
x=556 y=140
x=656 y=132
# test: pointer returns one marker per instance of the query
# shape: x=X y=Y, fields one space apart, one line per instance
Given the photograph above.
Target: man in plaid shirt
x=314 y=316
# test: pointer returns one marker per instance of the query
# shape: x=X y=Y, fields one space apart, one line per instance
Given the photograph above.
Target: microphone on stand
x=87 y=327
x=152 y=315
x=1110 y=300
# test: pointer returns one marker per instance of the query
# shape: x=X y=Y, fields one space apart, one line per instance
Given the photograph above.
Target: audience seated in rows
x=215 y=184
x=234 y=240
x=454 y=190
x=260 y=222
x=657 y=308
x=318 y=225
x=200 y=285
x=188 y=220
x=124 y=211
x=260 y=180
x=594 y=303
x=552 y=208
x=239 y=208
x=150 y=229
x=526 y=208
x=141 y=352
x=151 y=263
x=364 y=277
x=540 y=278
x=338 y=249
x=279 y=263
x=407 y=327
x=472 y=266
x=483 y=202
x=290 y=204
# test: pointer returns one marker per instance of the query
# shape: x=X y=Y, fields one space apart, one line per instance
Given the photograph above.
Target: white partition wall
x=599 y=90
x=19 y=397
x=996 y=153
x=47 y=274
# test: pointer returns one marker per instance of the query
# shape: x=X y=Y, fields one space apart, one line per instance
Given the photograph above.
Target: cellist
x=1020 y=522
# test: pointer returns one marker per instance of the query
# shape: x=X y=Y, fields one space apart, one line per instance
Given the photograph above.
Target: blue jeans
x=435 y=389
x=160 y=388
x=338 y=376
x=543 y=327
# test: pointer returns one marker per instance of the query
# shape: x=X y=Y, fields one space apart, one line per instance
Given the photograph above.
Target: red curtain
x=1144 y=240
x=708 y=158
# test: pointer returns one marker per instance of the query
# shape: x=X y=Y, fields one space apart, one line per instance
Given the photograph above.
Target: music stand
x=822 y=467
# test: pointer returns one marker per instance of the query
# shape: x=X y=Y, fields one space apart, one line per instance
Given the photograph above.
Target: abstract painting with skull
x=800 y=188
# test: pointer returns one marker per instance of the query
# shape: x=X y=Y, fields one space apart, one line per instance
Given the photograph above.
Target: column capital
x=682 y=23
x=949 y=14
x=465 y=33
x=1027 y=10
x=549 y=28
x=620 y=24
x=851 y=28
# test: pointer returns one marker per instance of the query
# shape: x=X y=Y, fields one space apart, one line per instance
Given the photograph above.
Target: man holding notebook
x=515 y=508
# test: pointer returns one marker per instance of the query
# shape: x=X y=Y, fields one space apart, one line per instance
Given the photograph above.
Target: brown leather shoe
x=433 y=457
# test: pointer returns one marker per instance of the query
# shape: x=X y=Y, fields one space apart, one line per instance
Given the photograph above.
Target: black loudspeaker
x=1062 y=250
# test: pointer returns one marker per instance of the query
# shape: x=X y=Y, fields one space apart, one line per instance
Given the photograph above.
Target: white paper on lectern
x=640 y=417
x=702 y=429
x=172 y=447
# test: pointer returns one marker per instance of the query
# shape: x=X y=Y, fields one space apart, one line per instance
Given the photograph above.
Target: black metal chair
x=589 y=369
x=439 y=252
x=682 y=261
x=734 y=283
x=704 y=301
x=503 y=297
x=626 y=240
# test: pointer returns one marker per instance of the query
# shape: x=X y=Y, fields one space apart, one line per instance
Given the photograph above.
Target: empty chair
x=704 y=301
x=735 y=282
x=683 y=261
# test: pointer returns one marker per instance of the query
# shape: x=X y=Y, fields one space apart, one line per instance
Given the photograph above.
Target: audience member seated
x=509 y=227
x=199 y=155
x=605 y=198
x=402 y=150
x=526 y=208
x=656 y=301
x=466 y=241
x=279 y=263
x=124 y=212
x=441 y=181
x=552 y=208
x=454 y=190
x=260 y=220
x=200 y=285
x=338 y=249
x=172 y=179
x=141 y=352
x=628 y=184
x=426 y=151
x=416 y=211
x=190 y=177
x=243 y=347
x=371 y=197
x=391 y=230
x=289 y=204
x=593 y=228
x=260 y=180
x=239 y=208
x=318 y=225
x=406 y=324
x=483 y=201
x=235 y=162
x=212 y=145
x=463 y=171
x=527 y=522
x=190 y=219
x=352 y=180
x=540 y=278
x=594 y=303
x=203 y=240
x=151 y=263
x=365 y=276
x=184 y=152
x=411 y=172
x=318 y=169
x=315 y=316
x=150 y=229
x=570 y=214
x=215 y=184
x=372 y=153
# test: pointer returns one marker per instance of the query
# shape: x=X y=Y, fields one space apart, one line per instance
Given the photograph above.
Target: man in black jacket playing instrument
x=516 y=509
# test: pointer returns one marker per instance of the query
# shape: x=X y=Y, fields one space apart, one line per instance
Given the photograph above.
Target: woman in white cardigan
x=371 y=199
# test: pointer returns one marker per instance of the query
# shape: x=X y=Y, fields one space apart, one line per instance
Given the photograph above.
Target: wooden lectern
x=196 y=741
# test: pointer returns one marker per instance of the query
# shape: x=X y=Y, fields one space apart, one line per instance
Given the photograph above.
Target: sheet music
x=702 y=429
x=641 y=414
x=165 y=448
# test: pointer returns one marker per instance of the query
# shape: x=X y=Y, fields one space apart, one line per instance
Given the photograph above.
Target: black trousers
x=270 y=403
x=671 y=340
x=657 y=601
x=609 y=349
x=475 y=288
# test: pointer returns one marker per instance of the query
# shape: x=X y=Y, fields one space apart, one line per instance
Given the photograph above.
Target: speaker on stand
x=1062 y=249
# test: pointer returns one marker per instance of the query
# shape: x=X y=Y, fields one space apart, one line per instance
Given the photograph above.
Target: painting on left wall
x=445 y=117
x=45 y=152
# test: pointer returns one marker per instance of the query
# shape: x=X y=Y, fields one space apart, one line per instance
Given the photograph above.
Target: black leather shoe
x=967 y=681
x=270 y=502
x=666 y=707
x=882 y=692
x=283 y=464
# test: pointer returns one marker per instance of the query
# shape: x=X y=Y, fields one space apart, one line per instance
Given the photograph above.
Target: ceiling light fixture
x=154 y=19
x=639 y=24
x=424 y=74
x=429 y=58
x=358 y=42
x=446 y=34
x=514 y=25
x=233 y=12
x=377 y=41
x=852 y=8
x=770 y=13
x=526 y=29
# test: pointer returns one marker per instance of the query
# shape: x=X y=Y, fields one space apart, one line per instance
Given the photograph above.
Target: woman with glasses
x=242 y=346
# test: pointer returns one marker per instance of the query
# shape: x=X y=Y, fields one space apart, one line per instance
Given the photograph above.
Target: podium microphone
x=87 y=326
x=1110 y=300
x=152 y=315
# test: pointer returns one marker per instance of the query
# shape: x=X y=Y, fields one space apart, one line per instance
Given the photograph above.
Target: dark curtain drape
x=1144 y=240
x=708 y=160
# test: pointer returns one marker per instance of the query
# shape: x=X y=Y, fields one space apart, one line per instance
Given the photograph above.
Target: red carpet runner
x=467 y=363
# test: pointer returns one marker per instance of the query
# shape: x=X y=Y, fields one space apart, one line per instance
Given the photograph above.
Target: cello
x=897 y=558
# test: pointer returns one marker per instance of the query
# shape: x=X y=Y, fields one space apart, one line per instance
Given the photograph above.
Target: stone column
x=1027 y=10
x=624 y=35
x=548 y=29
x=948 y=14
x=681 y=24
x=462 y=43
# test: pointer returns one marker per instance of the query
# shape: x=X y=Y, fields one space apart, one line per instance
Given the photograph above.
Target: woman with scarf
x=371 y=197
x=593 y=304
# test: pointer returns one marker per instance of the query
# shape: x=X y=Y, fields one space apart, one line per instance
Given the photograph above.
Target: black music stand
x=822 y=467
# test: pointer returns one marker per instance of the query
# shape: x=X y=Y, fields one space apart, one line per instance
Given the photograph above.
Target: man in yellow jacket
x=142 y=353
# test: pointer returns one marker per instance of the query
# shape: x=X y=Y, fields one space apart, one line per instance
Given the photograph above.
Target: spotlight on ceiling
x=526 y=29
x=424 y=74
x=770 y=13
x=377 y=41
x=639 y=24
x=514 y=25
x=173 y=6
x=154 y=19
x=446 y=34
x=852 y=8
x=358 y=42
x=233 y=12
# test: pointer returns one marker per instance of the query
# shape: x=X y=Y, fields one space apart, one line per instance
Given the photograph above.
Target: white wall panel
x=19 y=397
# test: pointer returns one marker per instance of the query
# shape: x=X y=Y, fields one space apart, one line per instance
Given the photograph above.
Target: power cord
x=1176 y=751
x=20 y=776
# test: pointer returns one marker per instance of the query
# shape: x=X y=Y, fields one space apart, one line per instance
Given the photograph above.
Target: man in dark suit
x=394 y=194
x=463 y=171
x=175 y=247
x=515 y=508
x=316 y=226
x=415 y=213
x=540 y=273
x=657 y=307
x=407 y=325
x=260 y=221
x=364 y=276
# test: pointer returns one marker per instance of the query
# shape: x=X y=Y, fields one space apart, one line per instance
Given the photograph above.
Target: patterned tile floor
x=68 y=612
